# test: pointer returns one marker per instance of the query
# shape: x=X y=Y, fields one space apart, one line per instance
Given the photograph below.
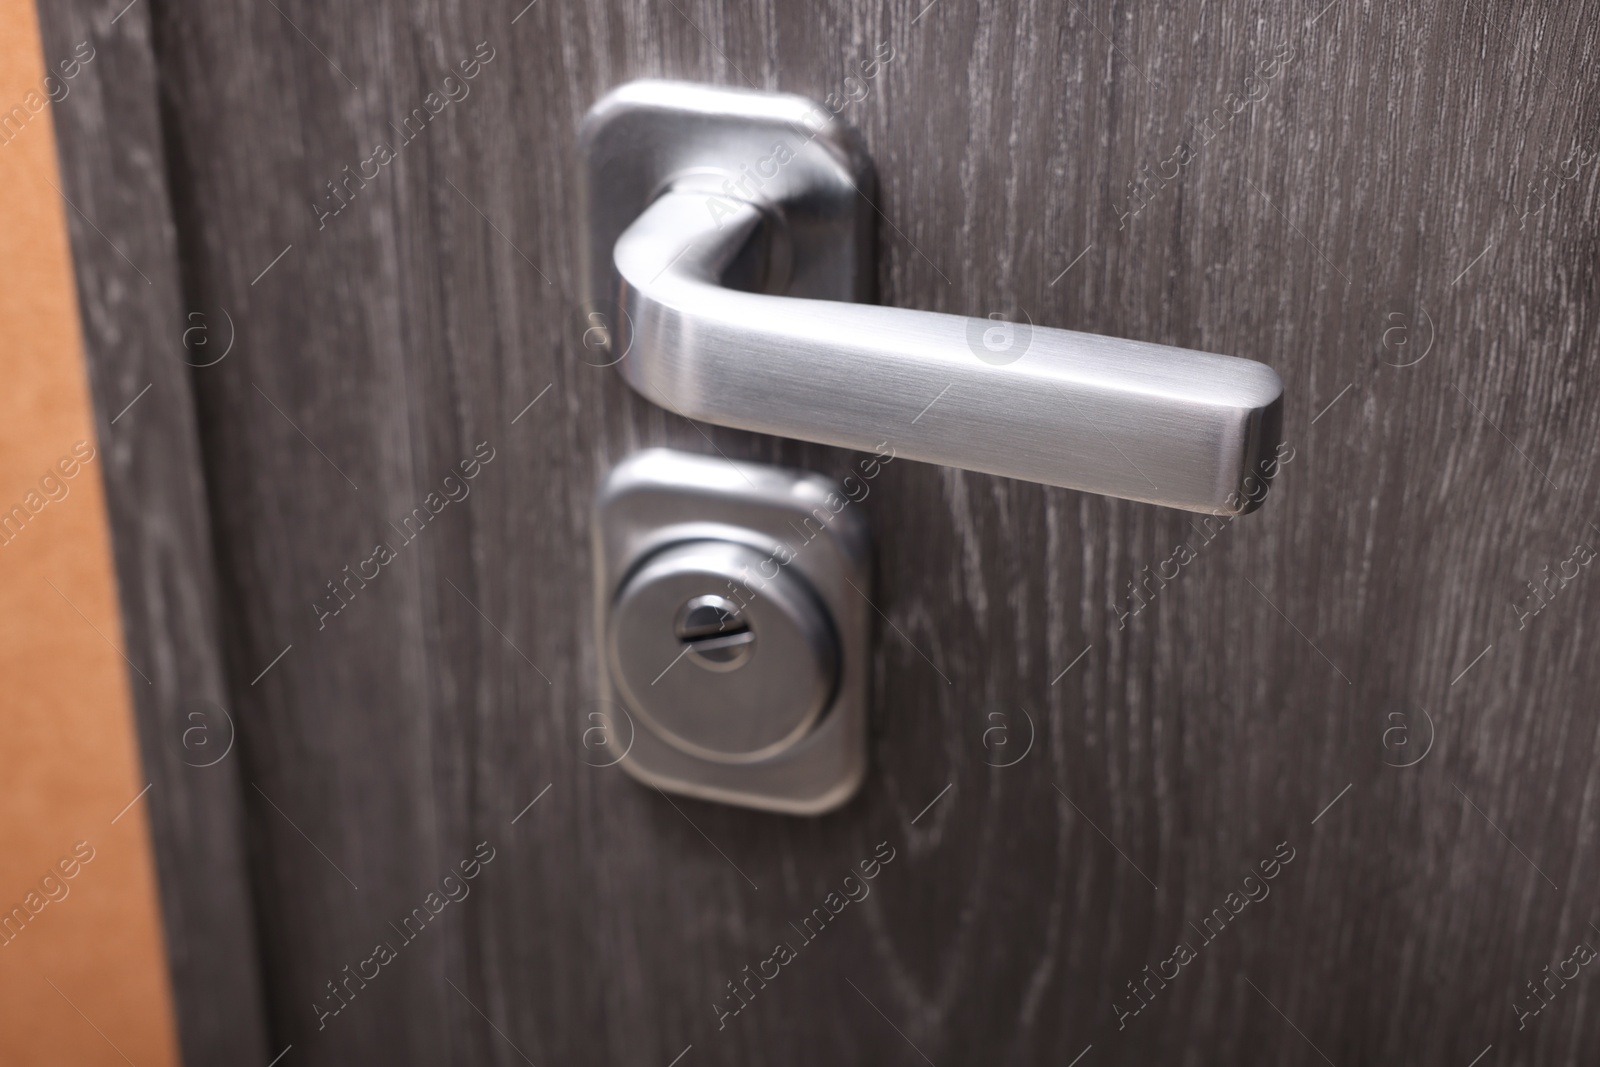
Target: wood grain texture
x=134 y=315
x=1382 y=170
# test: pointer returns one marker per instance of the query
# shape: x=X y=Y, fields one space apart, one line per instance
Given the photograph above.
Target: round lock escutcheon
x=717 y=659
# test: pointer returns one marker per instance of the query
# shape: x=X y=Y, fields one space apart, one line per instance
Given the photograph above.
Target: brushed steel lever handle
x=727 y=261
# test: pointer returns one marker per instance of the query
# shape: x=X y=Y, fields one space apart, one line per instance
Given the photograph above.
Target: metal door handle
x=726 y=231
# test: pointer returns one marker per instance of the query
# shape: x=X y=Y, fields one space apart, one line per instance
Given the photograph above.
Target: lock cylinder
x=715 y=667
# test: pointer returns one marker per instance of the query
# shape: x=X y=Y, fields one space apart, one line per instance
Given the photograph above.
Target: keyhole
x=717 y=635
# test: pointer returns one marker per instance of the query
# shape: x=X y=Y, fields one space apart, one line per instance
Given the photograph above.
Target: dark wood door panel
x=142 y=333
x=1393 y=205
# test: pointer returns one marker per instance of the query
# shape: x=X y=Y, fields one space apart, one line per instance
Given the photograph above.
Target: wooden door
x=1316 y=785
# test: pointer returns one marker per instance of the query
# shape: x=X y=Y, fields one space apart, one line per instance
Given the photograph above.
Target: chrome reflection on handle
x=726 y=231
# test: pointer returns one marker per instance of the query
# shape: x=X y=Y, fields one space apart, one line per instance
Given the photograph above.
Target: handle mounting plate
x=779 y=150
